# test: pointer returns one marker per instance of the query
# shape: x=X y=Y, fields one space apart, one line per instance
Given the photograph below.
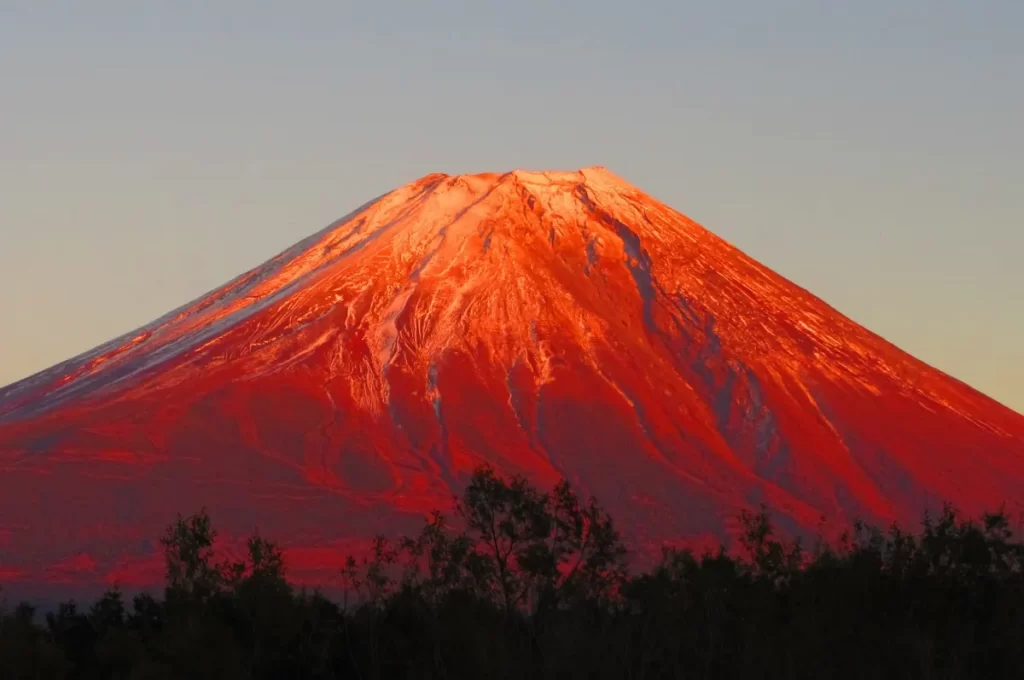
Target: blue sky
x=871 y=151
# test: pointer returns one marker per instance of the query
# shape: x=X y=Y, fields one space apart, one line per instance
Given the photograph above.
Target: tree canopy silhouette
x=520 y=583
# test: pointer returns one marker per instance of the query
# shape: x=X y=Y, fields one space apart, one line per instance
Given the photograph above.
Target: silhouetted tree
x=188 y=556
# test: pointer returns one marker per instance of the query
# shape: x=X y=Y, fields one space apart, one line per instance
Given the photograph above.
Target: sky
x=872 y=152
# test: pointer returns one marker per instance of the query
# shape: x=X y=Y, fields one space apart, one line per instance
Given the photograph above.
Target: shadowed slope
x=548 y=323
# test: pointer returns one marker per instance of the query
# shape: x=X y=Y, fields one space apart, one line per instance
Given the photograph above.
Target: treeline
x=525 y=584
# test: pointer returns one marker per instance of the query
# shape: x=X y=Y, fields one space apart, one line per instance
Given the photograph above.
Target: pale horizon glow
x=870 y=152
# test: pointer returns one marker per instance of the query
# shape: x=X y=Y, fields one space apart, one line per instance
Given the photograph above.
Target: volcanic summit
x=548 y=323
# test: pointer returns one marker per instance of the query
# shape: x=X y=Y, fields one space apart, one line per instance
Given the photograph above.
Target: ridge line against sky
x=869 y=153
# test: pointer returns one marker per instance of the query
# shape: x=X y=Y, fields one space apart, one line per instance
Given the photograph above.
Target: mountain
x=551 y=324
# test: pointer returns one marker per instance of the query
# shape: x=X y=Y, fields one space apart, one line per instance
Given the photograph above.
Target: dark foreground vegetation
x=534 y=585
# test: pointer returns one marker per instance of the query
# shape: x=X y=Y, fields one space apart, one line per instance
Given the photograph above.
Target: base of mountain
x=525 y=584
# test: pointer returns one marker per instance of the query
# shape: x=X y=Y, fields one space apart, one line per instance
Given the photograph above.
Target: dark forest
x=522 y=583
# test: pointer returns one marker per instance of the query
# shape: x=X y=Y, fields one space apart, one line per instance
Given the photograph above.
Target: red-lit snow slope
x=547 y=323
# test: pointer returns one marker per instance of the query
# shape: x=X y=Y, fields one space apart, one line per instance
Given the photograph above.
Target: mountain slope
x=548 y=323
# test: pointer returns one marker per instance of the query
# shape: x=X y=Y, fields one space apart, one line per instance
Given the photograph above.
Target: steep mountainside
x=548 y=323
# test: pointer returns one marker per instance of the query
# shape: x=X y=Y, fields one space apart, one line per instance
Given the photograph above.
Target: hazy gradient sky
x=871 y=151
